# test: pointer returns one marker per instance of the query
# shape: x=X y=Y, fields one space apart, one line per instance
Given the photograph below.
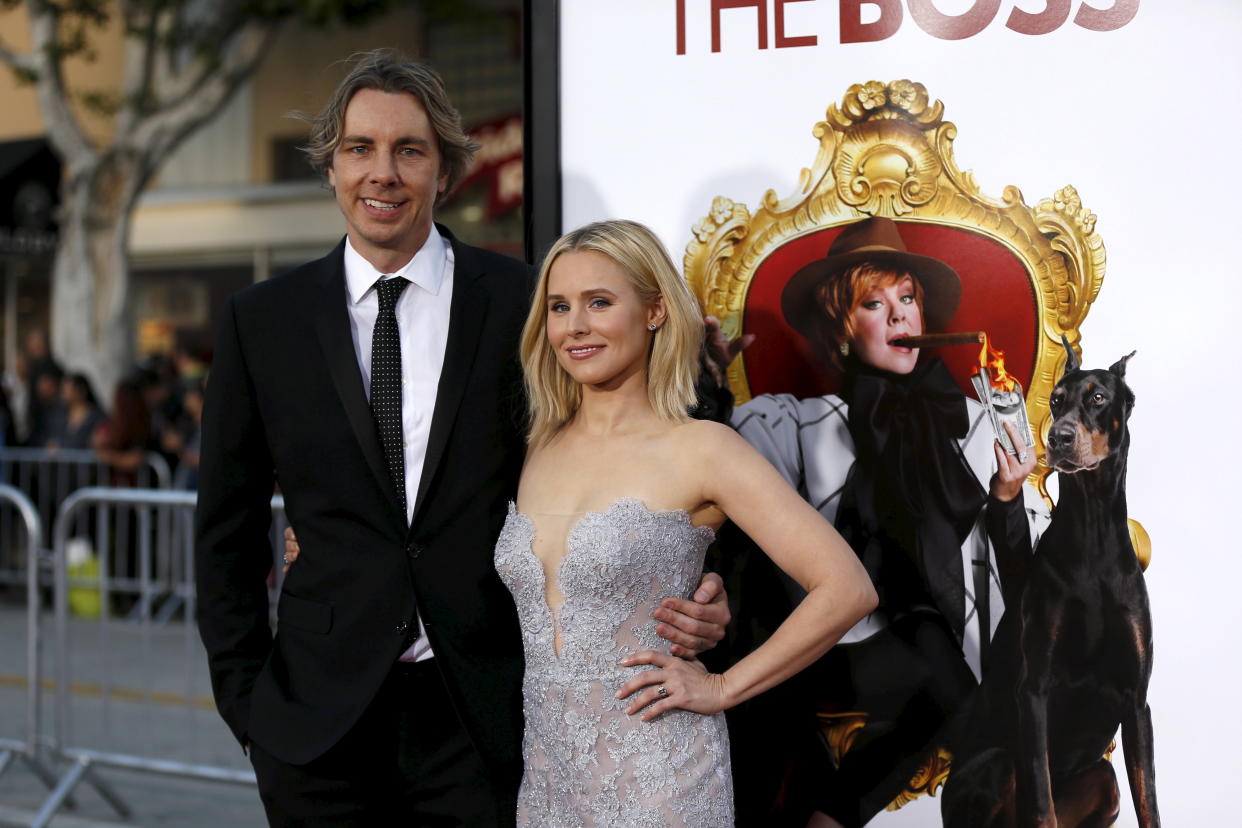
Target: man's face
x=386 y=173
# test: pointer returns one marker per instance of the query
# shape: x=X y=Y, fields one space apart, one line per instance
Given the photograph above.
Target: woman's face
x=887 y=312
x=596 y=321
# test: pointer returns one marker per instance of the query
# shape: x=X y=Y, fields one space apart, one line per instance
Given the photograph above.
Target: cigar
x=937 y=340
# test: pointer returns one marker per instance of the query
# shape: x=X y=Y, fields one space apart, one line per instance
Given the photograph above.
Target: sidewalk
x=134 y=691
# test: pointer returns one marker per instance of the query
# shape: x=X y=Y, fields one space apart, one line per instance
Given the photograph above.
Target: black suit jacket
x=286 y=403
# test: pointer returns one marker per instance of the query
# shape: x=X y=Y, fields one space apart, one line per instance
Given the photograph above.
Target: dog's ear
x=1071 y=358
x=1119 y=367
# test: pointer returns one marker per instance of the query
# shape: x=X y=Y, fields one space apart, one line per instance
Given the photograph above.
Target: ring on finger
x=288 y=558
x=661 y=691
x=1022 y=457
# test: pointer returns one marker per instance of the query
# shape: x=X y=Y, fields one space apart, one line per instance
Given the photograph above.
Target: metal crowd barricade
x=27 y=746
x=48 y=476
x=138 y=697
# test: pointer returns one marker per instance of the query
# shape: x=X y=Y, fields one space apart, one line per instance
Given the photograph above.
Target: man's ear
x=331 y=177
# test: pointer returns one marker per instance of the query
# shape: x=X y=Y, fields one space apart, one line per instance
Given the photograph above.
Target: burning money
x=1001 y=395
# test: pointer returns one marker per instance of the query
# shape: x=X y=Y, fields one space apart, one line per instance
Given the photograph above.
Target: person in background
x=14 y=385
x=191 y=436
x=43 y=376
x=123 y=440
x=47 y=410
x=78 y=416
x=188 y=362
x=161 y=390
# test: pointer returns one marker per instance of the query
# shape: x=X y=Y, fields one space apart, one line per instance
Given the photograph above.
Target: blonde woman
x=619 y=498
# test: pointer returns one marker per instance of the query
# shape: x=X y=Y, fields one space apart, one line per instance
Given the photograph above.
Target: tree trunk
x=92 y=322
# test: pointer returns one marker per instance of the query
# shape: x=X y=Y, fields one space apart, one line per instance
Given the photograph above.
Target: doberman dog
x=1072 y=654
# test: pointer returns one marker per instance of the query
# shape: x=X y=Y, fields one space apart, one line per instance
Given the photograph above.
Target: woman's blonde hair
x=841 y=295
x=673 y=358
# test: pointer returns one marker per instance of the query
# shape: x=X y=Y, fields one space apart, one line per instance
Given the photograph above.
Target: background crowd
x=156 y=406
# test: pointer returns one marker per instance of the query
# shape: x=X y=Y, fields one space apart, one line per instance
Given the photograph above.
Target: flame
x=992 y=365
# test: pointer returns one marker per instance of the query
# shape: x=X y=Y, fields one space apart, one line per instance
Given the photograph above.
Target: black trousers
x=910 y=678
x=407 y=761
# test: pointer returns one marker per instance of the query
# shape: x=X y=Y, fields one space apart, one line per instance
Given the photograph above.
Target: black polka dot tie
x=386 y=381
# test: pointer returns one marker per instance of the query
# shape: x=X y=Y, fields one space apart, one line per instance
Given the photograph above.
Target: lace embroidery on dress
x=586 y=761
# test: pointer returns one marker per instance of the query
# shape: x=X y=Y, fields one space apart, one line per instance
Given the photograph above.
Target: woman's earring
x=844 y=348
x=651 y=326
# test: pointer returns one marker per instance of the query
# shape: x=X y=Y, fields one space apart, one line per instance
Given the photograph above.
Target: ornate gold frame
x=887 y=151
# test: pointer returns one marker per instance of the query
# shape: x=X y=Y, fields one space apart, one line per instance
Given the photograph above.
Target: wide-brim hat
x=876 y=241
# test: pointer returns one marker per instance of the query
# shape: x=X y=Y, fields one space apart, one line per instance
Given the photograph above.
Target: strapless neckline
x=678 y=517
x=621 y=503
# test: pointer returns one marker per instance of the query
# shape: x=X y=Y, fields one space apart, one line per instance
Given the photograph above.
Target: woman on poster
x=619 y=498
x=908 y=470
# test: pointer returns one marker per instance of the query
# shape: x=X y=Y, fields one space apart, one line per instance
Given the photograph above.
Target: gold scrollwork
x=928 y=779
x=885 y=168
x=839 y=731
x=718 y=232
x=887 y=150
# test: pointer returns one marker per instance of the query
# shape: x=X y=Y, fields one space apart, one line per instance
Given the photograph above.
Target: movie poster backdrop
x=665 y=105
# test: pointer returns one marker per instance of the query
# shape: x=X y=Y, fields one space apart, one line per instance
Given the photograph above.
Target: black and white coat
x=809 y=442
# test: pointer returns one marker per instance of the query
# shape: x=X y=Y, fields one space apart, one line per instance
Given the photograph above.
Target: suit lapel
x=466 y=316
x=332 y=326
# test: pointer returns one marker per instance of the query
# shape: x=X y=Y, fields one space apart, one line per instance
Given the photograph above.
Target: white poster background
x=1144 y=121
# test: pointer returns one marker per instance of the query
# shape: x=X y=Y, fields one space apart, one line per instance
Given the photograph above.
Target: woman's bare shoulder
x=707 y=437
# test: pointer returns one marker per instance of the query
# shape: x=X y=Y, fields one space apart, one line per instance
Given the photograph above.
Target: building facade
x=238 y=203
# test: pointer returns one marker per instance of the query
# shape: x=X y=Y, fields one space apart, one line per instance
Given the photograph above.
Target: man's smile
x=375 y=203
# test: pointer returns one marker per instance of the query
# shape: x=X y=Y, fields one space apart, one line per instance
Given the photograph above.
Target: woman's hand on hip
x=676 y=684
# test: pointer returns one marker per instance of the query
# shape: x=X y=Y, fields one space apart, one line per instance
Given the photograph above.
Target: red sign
x=499 y=162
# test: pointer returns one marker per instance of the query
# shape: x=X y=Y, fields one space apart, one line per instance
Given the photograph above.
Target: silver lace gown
x=586 y=761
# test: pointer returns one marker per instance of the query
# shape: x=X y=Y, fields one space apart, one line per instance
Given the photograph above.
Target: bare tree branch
x=205 y=58
x=62 y=125
x=22 y=62
x=161 y=132
x=184 y=81
x=163 y=72
x=140 y=46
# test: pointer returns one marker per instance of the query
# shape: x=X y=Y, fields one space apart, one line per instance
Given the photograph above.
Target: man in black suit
x=380 y=387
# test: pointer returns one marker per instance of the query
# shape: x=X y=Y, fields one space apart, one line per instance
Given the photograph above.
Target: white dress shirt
x=422 y=322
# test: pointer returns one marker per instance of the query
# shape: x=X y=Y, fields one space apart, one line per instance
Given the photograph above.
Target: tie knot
x=389 y=291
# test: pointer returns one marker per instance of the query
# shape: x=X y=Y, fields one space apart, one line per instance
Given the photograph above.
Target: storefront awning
x=29 y=196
